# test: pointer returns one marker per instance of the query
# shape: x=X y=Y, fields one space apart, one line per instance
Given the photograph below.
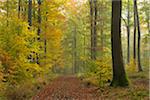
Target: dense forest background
x=42 y=39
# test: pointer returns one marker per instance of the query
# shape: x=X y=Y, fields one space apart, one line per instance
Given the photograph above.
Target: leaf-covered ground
x=67 y=88
x=73 y=88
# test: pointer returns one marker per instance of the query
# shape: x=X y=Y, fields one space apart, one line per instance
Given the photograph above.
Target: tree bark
x=119 y=75
x=134 y=37
x=95 y=30
x=30 y=12
x=7 y=11
x=128 y=33
x=19 y=8
x=39 y=19
x=92 y=31
x=31 y=56
x=75 y=50
x=102 y=42
x=93 y=18
x=148 y=22
x=139 y=38
x=45 y=41
x=39 y=29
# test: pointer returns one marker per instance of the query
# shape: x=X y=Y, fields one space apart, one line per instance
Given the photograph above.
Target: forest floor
x=67 y=88
x=73 y=88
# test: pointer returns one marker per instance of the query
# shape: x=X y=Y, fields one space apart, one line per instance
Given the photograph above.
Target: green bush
x=98 y=72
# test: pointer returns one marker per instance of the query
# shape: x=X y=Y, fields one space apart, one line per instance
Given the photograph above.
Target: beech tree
x=139 y=36
x=119 y=75
x=137 y=26
x=134 y=36
x=128 y=33
x=93 y=19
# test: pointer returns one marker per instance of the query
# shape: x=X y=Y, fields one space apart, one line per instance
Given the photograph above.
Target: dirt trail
x=67 y=88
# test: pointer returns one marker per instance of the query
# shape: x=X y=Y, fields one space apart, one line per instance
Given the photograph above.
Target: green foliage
x=98 y=72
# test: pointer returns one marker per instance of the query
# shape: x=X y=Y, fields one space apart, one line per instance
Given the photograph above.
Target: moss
x=122 y=82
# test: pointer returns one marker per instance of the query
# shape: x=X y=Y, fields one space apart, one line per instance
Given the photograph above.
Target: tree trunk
x=92 y=31
x=84 y=51
x=7 y=11
x=24 y=10
x=19 y=8
x=101 y=30
x=31 y=56
x=39 y=28
x=93 y=17
x=95 y=30
x=45 y=41
x=30 y=13
x=75 y=51
x=119 y=75
x=128 y=34
x=148 y=22
x=39 y=19
x=139 y=37
x=34 y=9
x=102 y=42
x=134 y=37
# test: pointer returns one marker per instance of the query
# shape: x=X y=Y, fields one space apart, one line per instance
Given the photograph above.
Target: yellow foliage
x=131 y=67
x=1 y=71
x=99 y=71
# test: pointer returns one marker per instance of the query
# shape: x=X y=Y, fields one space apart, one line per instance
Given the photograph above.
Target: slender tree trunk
x=95 y=30
x=34 y=8
x=128 y=34
x=148 y=21
x=101 y=30
x=30 y=13
x=84 y=52
x=39 y=19
x=24 y=10
x=147 y=14
x=92 y=31
x=7 y=11
x=134 y=37
x=139 y=37
x=102 y=40
x=31 y=56
x=39 y=28
x=45 y=41
x=119 y=75
x=93 y=17
x=75 y=51
x=19 y=8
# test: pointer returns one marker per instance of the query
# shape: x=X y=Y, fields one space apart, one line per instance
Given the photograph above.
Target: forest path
x=68 y=88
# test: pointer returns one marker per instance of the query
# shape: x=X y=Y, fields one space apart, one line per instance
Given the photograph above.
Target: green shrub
x=98 y=72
